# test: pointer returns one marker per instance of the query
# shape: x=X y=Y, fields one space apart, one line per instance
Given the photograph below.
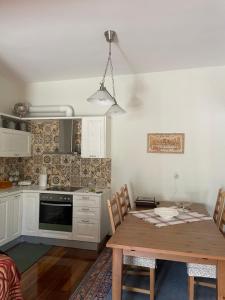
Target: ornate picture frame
x=165 y=143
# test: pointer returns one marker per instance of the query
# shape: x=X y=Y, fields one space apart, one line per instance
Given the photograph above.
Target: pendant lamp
x=102 y=96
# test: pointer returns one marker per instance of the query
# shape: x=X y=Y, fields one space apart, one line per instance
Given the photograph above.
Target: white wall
x=189 y=101
x=12 y=89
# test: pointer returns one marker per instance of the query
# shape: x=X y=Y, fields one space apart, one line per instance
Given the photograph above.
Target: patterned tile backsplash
x=66 y=170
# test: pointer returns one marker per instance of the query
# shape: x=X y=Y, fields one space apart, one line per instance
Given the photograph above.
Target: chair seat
x=198 y=270
x=139 y=261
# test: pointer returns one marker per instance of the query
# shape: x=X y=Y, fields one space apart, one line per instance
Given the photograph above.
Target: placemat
x=185 y=216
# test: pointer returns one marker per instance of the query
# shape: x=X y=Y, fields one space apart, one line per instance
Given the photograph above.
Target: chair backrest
x=122 y=204
x=222 y=222
x=114 y=214
x=219 y=207
x=127 y=196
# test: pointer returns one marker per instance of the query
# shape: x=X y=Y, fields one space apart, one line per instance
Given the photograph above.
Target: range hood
x=65 y=136
x=66 y=139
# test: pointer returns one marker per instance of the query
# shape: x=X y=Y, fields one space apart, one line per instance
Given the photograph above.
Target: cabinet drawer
x=86 y=212
x=86 y=201
x=85 y=220
x=85 y=230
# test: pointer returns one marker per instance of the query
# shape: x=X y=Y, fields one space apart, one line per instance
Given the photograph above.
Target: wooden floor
x=56 y=275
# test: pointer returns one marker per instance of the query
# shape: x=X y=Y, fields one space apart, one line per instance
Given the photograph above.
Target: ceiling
x=57 y=39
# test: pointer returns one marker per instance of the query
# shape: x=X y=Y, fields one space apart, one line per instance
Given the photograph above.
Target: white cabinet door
x=14 y=216
x=14 y=143
x=93 y=137
x=86 y=229
x=3 y=213
x=30 y=214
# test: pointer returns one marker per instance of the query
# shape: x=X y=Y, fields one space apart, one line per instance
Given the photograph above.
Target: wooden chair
x=222 y=222
x=123 y=201
x=127 y=197
x=136 y=261
x=114 y=215
x=122 y=204
x=207 y=271
x=218 y=207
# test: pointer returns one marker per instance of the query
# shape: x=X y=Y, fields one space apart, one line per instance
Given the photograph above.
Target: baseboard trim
x=60 y=242
x=11 y=244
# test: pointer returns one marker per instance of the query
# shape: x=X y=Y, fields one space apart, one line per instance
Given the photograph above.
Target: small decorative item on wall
x=165 y=143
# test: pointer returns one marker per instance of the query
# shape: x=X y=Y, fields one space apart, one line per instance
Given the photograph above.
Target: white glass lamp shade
x=102 y=96
x=115 y=109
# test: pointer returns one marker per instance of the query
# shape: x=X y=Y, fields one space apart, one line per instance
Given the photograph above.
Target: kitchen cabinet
x=14 y=216
x=86 y=229
x=19 y=214
x=95 y=138
x=14 y=143
x=3 y=211
x=90 y=217
x=10 y=217
x=30 y=222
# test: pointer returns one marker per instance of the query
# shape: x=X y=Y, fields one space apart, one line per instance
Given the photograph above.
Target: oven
x=56 y=212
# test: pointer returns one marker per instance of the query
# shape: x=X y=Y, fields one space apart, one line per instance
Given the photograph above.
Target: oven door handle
x=54 y=204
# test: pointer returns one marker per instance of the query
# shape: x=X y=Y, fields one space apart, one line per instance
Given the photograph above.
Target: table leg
x=117 y=264
x=221 y=280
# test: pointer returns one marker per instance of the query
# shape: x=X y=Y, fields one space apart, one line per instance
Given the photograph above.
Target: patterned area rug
x=97 y=282
x=171 y=282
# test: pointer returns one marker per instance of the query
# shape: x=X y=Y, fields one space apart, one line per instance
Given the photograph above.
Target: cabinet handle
x=84 y=221
x=85 y=209
x=85 y=198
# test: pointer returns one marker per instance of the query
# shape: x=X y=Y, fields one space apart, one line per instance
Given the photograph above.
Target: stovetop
x=63 y=188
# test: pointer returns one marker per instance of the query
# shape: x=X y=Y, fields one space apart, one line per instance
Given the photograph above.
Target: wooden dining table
x=199 y=242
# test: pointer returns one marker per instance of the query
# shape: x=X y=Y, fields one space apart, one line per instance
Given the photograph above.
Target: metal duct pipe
x=51 y=110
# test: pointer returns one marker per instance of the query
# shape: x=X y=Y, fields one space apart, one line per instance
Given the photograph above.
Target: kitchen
x=83 y=209
x=165 y=72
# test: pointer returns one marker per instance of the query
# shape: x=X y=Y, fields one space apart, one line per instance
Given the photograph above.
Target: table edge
x=165 y=252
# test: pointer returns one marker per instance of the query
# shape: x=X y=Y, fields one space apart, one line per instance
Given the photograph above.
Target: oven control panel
x=56 y=197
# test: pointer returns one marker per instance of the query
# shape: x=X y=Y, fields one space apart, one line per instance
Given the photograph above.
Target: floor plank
x=57 y=273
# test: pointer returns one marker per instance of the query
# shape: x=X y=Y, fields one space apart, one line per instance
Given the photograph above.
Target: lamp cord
x=113 y=84
x=107 y=64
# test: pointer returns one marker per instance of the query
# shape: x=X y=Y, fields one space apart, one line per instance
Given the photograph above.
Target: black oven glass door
x=55 y=216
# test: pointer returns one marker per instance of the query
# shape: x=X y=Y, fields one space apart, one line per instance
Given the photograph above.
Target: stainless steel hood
x=66 y=138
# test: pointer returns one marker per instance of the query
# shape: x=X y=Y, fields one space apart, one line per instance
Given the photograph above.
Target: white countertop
x=36 y=188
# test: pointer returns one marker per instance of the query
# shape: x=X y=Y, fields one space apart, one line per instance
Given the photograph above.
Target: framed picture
x=165 y=143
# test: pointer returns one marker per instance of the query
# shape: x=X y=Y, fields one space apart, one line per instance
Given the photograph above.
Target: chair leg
x=152 y=284
x=191 y=287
